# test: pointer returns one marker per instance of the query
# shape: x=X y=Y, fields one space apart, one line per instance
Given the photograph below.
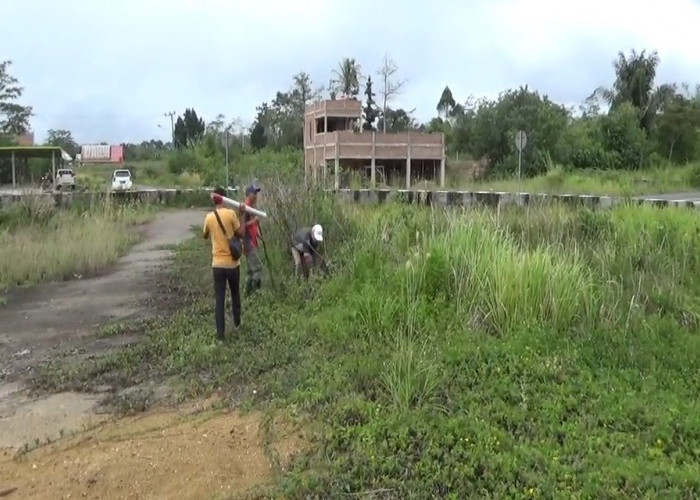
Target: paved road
x=672 y=197
x=35 y=190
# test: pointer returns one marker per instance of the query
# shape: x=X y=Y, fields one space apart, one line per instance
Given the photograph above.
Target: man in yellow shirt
x=225 y=268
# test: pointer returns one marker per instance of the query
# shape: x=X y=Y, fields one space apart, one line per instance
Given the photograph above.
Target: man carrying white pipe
x=251 y=223
x=306 y=246
x=220 y=226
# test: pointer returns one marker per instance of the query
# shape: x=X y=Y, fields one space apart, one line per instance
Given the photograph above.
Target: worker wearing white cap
x=306 y=244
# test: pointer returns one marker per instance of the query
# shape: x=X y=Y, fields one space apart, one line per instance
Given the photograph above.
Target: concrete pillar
x=442 y=164
x=53 y=168
x=14 y=171
x=442 y=173
x=373 y=163
x=336 y=166
x=408 y=162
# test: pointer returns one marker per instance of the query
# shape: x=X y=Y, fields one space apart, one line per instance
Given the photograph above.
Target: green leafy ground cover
x=550 y=353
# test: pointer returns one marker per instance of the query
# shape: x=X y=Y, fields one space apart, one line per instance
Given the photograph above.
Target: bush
x=181 y=160
x=624 y=140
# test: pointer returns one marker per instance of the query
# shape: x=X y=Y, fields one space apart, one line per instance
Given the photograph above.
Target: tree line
x=634 y=123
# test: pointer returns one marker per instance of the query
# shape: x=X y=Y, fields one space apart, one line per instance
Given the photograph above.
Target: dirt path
x=40 y=321
x=57 y=446
x=190 y=453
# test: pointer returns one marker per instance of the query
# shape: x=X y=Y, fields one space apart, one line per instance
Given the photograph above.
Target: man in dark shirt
x=306 y=243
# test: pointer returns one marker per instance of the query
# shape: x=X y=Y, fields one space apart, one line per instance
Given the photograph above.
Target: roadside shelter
x=16 y=153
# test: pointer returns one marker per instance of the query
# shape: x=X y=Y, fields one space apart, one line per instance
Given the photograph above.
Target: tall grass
x=615 y=183
x=454 y=353
x=39 y=242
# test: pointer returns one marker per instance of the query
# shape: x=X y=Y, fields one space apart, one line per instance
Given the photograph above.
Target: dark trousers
x=222 y=276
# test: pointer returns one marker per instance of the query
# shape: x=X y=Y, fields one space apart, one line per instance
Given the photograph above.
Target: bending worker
x=306 y=245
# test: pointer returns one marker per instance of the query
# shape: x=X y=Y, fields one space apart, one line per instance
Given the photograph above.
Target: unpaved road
x=191 y=453
x=67 y=451
x=42 y=320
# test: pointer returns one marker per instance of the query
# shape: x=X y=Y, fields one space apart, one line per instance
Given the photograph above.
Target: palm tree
x=347 y=77
x=634 y=83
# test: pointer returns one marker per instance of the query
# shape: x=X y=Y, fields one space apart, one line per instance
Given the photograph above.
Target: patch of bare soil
x=159 y=454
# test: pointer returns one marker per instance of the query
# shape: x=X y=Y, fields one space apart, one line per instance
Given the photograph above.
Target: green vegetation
x=644 y=142
x=668 y=179
x=39 y=242
x=543 y=352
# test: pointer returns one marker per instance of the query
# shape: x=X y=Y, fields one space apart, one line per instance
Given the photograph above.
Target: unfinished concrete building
x=334 y=143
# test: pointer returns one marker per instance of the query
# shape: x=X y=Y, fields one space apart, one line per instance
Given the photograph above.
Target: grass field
x=547 y=353
x=39 y=242
x=459 y=176
x=624 y=183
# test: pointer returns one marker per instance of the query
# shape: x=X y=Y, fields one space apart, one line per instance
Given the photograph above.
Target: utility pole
x=172 y=127
x=227 y=135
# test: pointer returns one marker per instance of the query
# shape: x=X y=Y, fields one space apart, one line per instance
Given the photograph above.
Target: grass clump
x=539 y=353
x=39 y=242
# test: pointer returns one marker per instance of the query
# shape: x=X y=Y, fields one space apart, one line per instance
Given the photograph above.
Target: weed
x=460 y=353
x=40 y=243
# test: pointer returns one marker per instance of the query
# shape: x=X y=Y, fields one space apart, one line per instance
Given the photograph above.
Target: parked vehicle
x=65 y=177
x=121 y=180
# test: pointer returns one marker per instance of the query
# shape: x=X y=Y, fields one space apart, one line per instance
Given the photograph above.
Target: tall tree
x=189 y=128
x=217 y=125
x=634 y=83
x=446 y=103
x=390 y=87
x=14 y=117
x=346 y=79
x=370 y=109
x=64 y=140
x=257 y=136
x=678 y=130
x=397 y=120
x=303 y=92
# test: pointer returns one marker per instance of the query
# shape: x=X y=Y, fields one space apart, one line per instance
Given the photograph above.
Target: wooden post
x=336 y=166
x=408 y=162
x=442 y=164
x=14 y=171
x=373 y=163
x=53 y=168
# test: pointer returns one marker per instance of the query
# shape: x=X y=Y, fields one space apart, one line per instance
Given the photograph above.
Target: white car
x=65 y=177
x=121 y=180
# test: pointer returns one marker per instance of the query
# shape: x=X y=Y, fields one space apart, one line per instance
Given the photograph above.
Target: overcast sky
x=108 y=71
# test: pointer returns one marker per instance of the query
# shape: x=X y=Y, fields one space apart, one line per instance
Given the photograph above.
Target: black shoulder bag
x=234 y=244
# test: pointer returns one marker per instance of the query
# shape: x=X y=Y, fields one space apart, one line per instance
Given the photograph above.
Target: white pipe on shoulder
x=233 y=203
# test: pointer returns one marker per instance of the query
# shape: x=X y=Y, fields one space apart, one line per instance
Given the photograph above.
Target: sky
x=109 y=71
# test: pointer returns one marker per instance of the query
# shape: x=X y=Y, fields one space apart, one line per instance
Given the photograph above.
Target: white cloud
x=109 y=70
